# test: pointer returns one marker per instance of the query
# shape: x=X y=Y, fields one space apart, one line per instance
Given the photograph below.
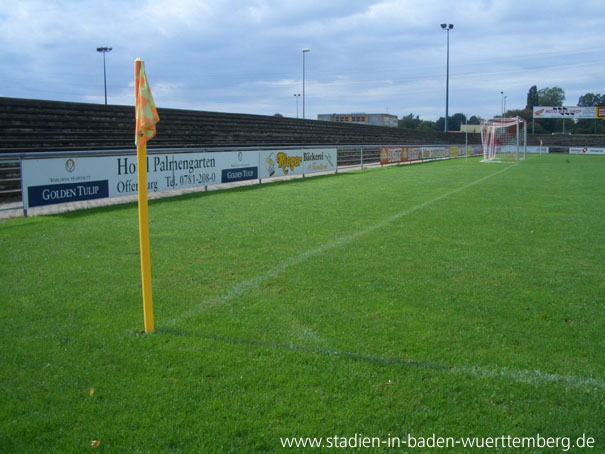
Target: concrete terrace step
x=50 y=125
x=37 y=125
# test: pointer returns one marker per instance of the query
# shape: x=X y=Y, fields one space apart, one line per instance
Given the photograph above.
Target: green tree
x=425 y=125
x=532 y=98
x=591 y=100
x=555 y=97
x=590 y=126
x=551 y=96
x=412 y=121
x=456 y=121
x=440 y=124
x=453 y=123
x=526 y=114
x=409 y=121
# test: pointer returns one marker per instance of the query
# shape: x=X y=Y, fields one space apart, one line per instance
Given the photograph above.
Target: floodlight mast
x=447 y=28
x=297 y=96
x=304 y=51
x=104 y=50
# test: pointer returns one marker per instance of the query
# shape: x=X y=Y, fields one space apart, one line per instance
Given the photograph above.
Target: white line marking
x=535 y=377
x=530 y=377
x=255 y=282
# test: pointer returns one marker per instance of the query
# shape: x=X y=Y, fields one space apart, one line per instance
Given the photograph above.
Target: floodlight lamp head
x=450 y=26
x=443 y=26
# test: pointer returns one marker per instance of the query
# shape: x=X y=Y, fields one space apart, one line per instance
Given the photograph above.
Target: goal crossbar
x=503 y=139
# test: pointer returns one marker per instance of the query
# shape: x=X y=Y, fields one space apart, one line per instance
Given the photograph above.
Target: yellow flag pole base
x=144 y=239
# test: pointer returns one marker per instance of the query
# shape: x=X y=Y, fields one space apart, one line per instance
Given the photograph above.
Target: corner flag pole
x=144 y=239
x=146 y=118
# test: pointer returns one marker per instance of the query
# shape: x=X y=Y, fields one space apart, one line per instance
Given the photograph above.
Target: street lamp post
x=447 y=28
x=304 y=51
x=466 y=137
x=297 y=96
x=104 y=50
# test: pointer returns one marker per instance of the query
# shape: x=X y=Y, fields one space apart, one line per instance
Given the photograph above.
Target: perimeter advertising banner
x=565 y=112
x=536 y=150
x=393 y=155
x=435 y=152
x=414 y=153
x=586 y=150
x=50 y=181
x=280 y=163
x=396 y=155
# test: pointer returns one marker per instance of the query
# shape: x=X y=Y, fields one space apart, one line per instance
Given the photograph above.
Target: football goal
x=504 y=139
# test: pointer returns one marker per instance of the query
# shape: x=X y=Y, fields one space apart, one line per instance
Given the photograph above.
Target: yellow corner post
x=146 y=118
x=144 y=238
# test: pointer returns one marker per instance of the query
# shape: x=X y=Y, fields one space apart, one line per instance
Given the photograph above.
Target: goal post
x=504 y=139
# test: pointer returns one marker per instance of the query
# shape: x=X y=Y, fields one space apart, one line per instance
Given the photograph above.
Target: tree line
x=551 y=96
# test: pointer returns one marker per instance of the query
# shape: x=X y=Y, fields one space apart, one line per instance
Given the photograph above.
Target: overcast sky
x=246 y=55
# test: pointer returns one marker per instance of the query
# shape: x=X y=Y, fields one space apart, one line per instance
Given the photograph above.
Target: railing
x=10 y=179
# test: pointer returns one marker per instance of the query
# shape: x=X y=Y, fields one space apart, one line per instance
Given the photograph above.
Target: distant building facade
x=378 y=119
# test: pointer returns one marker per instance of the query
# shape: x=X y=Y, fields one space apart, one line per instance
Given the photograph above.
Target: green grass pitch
x=454 y=298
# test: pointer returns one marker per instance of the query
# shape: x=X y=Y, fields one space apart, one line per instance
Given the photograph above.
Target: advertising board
x=48 y=181
x=587 y=150
x=280 y=163
x=435 y=152
x=393 y=155
x=564 y=112
x=396 y=155
x=536 y=150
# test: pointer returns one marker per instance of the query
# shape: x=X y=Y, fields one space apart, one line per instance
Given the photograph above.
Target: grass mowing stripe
x=256 y=281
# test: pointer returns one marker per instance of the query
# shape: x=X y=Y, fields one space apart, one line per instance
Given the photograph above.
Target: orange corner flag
x=146 y=113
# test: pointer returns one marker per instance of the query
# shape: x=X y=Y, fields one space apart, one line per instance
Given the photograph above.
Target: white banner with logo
x=280 y=163
x=586 y=150
x=565 y=112
x=435 y=152
x=48 y=181
x=536 y=150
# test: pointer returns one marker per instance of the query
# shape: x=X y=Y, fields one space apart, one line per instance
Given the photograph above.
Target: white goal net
x=504 y=139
